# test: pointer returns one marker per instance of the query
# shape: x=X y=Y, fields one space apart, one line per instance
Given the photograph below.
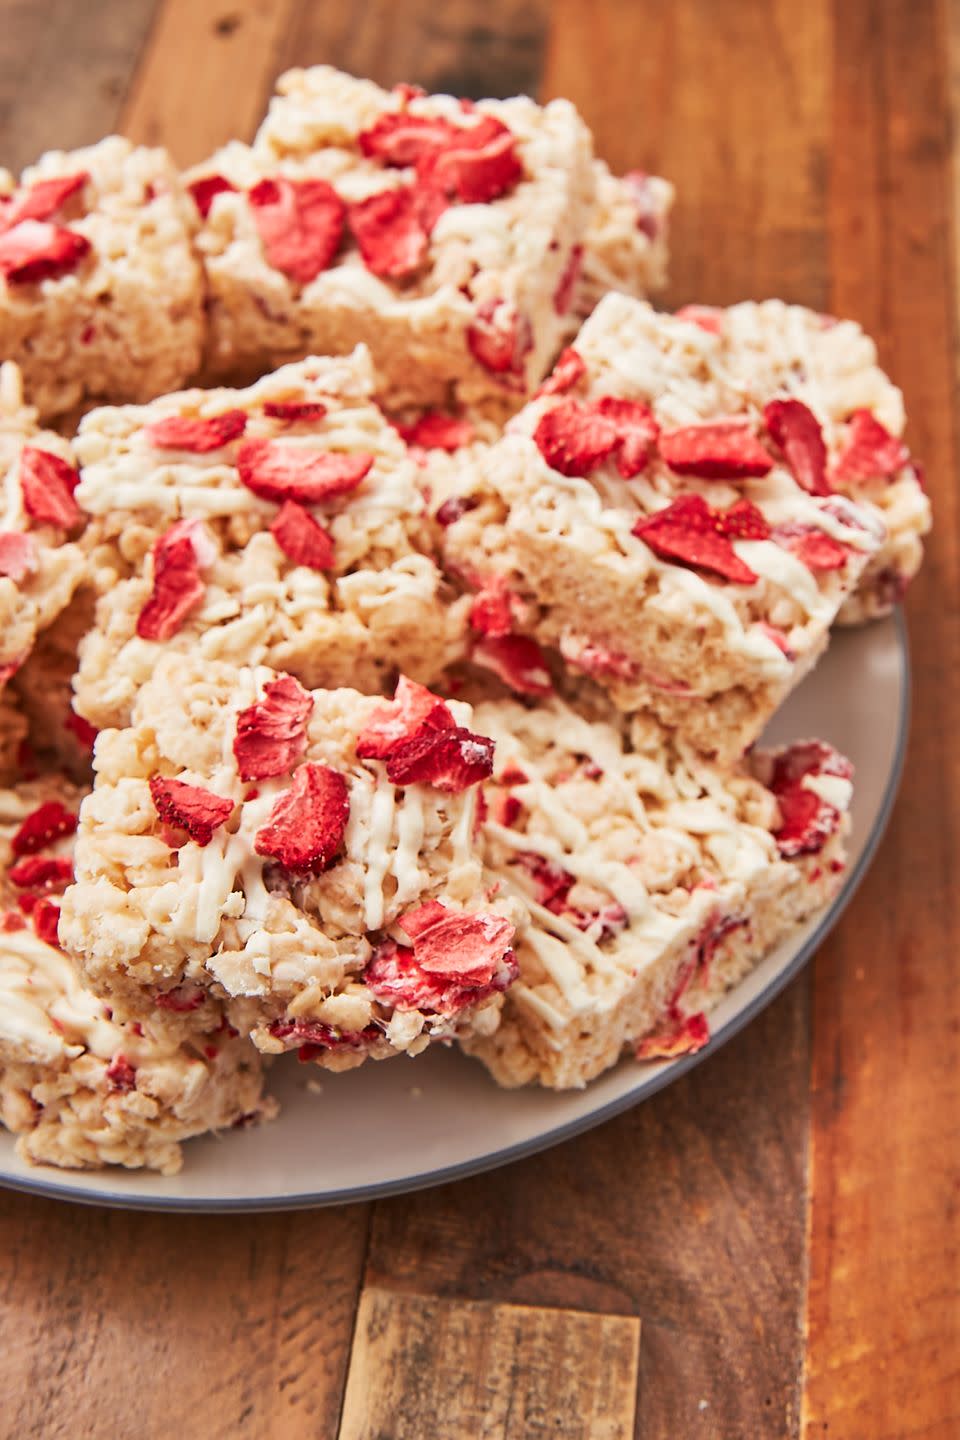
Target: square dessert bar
x=446 y=236
x=283 y=524
x=80 y=1088
x=41 y=563
x=304 y=859
x=651 y=881
x=101 y=293
x=626 y=245
x=675 y=536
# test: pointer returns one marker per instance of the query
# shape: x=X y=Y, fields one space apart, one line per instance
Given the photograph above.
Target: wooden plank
x=422 y=1366
x=207 y=74
x=884 y=1303
x=63 y=71
x=118 y=1324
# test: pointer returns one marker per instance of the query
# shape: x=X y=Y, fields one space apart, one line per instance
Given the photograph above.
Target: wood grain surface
x=768 y=1248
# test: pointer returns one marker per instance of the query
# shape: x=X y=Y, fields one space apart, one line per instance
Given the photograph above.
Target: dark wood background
x=770 y=1247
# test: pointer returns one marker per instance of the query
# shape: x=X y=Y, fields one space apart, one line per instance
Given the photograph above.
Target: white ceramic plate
x=398 y=1126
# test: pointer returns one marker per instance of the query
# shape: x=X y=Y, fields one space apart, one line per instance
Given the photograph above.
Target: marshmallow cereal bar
x=626 y=245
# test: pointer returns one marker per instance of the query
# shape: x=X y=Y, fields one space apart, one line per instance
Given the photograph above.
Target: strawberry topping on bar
x=517 y=660
x=18 y=554
x=396 y=978
x=694 y=533
x=460 y=945
x=400 y=139
x=306 y=826
x=491 y=612
x=37 y=250
x=177 y=587
x=46 y=922
x=500 y=337
x=293 y=410
x=435 y=431
x=41 y=200
x=272 y=734
x=871 y=452
x=794 y=427
x=48 y=482
x=575 y=438
x=206 y=189
x=41 y=872
x=717 y=450
x=814 y=548
x=413 y=709
x=685 y=1037
x=81 y=729
x=311 y=1038
x=478 y=163
x=569 y=369
x=301 y=538
x=275 y=470
x=636 y=432
x=390 y=233
x=121 y=1075
x=49 y=822
x=198 y=435
x=449 y=759
x=300 y=223
x=708 y=317
x=190 y=807
x=807 y=819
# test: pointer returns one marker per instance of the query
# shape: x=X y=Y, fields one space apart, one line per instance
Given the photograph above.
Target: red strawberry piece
x=814 y=548
x=300 y=223
x=181 y=1000
x=685 y=1037
x=449 y=760
x=414 y=922
x=478 y=163
x=517 y=660
x=871 y=452
x=43 y=199
x=46 y=922
x=688 y=531
x=794 y=427
x=388 y=229
x=551 y=883
x=569 y=369
x=121 y=1075
x=396 y=978
x=292 y=410
x=575 y=438
x=206 y=189
x=505 y=809
x=435 y=431
x=17 y=553
x=413 y=709
x=307 y=824
x=490 y=613
x=190 y=807
x=455 y=508
x=806 y=820
x=718 y=450
x=177 y=586
x=401 y=139
x=48 y=482
x=41 y=872
x=637 y=185
x=49 y=822
x=511 y=774
x=778 y=637
x=36 y=250
x=200 y=436
x=272 y=734
x=301 y=538
x=595 y=659
x=809 y=757
x=278 y=471
x=405 y=92
x=500 y=337
x=85 y=733
x=743 y=521
x=311 y=1038
x=637 y=432
x=11 y=922
x=459 y=945
x=708 y=317
x=567 y=284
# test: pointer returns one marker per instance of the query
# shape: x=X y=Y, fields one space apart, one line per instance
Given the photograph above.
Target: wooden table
x=771 y=1247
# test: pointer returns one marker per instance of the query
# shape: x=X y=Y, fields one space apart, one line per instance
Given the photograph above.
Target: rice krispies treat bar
x=40 y=564
x=637 y=519
x=300 y=524
x=650 y=881
x=626 y=245
x=80 y=1088
x=374 y=216
x=323 y=896
x=101 y=293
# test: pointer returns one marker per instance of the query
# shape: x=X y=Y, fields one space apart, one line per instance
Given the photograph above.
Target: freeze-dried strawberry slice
x=636 y=431
x=306 y=826
x=717 y=450
x=708 y=317
x=449 y=760
x=778 y=638
x=42 y=199
x=435 y=431
x=505 y=809
x=478 y=163
x=46 y=922
x=871 y=452
x=638 y=187
x=575 y=438
x=551 y=883
x=300 y=223
x=177 y=587
x=400 y=139
x=413 y=708
x=301 y=538
x=18 y=555
x=48 y=482
x=41 y=872
x=396 y=978
x=794 y=427
x=388 y=229
x=594 y=658
x=567 y=284
x=36 y=250
x=690 y=530
x=292 y=410
x=807 y=820
x=743 y=521
x=684 y=1038
x=459 y=945
x=272 y=734
x=181 y=1000
x=206 y=189
x=198 y=435
x=808 y=757
x=311 y=1038
x=570 y=368
x=491 y=613
x=84 y=732
x=455 y=508
x=121 y=1075
x=414 y=922
x=190 y=807
x=278 y=471
x=517 y=660
x=49 y=822
x=500 y=337
x=812 y=547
